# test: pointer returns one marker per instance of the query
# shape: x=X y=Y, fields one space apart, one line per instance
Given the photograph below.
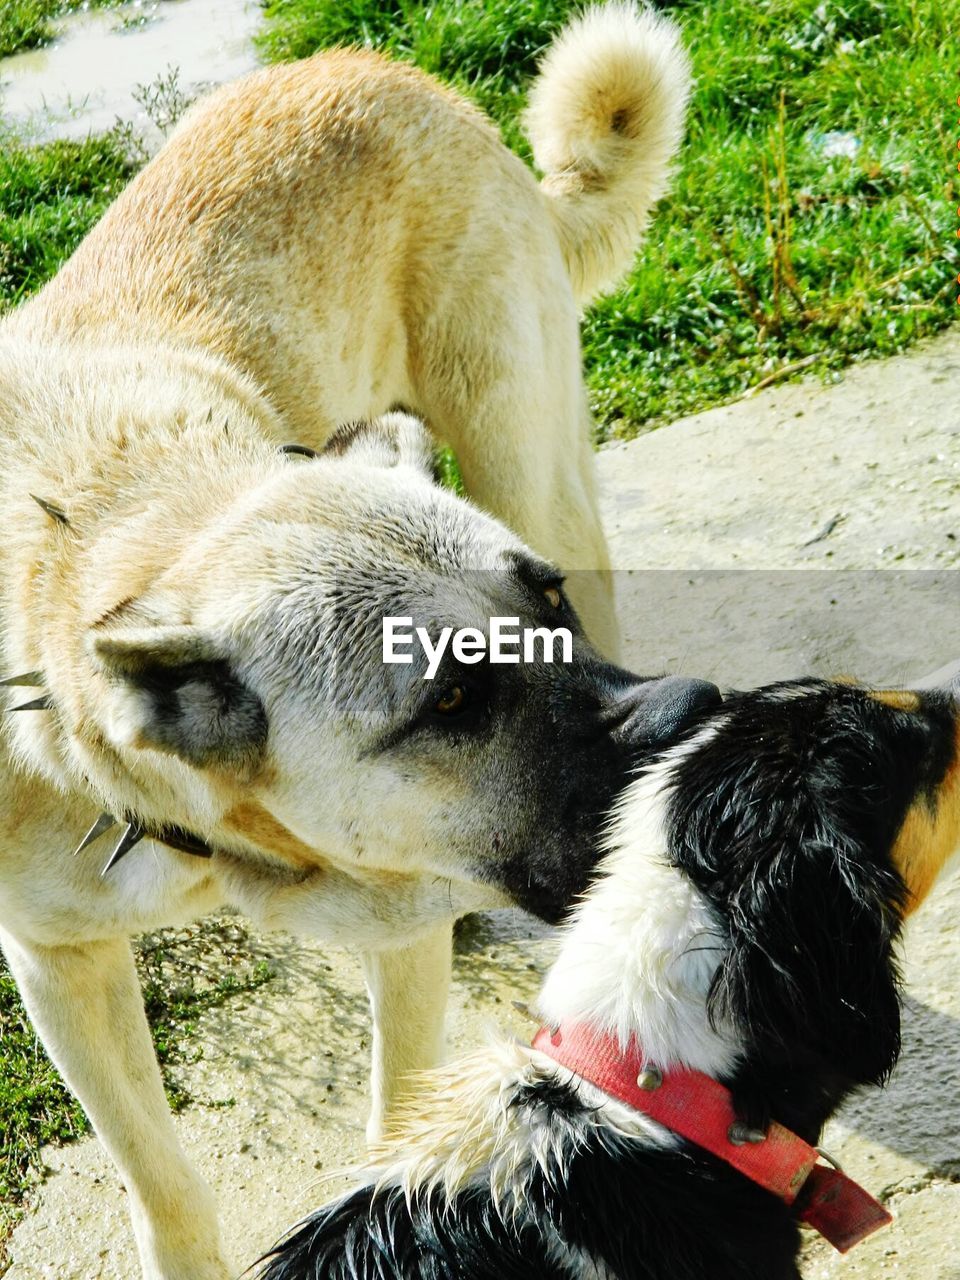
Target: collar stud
x=650 y=1078
x=740 y=1134
x=700 y=1110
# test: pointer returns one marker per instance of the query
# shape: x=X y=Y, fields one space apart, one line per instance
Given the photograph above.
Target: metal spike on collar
x=29 y=679
x=524 y=1009
x=301 y=450
x=51 y=509
x=102 y=825
x=38 y=704
x=133 y=834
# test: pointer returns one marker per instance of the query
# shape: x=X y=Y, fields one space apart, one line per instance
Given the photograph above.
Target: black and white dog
x=727 y=982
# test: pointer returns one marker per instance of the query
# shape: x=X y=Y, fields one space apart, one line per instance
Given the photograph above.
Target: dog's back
x=344 y=215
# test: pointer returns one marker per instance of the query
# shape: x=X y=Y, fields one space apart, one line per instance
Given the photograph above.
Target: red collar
x=700 y=1109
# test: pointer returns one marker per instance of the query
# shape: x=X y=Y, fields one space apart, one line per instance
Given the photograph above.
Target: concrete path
x=721 y=525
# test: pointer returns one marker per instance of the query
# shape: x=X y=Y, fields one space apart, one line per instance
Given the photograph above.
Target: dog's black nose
x=654 y=712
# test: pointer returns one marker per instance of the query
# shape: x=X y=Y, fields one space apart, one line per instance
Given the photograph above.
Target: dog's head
x=813 y=819
x=242 y=693
x=757 y=883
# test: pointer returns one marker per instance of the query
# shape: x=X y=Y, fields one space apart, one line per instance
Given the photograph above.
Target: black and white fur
x=745 y=924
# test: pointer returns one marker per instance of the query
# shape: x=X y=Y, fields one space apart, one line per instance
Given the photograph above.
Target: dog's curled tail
x=605 y=118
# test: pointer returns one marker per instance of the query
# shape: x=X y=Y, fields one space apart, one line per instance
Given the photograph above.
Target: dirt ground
x=721 y=525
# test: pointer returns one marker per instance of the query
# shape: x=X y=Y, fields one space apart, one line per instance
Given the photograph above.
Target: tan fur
x=930 y=833
x=899 y=699
x=929 y=836
x=254 y=824
x=593 y=133
x=463 y=313
x=315 y=244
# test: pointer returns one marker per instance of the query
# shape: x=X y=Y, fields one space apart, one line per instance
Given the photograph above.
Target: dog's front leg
x=401 y=924
x=85 y=1002
x=408 y=989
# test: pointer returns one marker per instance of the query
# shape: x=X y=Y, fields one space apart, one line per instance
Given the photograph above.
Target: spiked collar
x=133 y=832
x=700 y=1109
x=174 y=837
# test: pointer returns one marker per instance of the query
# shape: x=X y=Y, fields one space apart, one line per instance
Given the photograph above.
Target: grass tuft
x=25 y=24
x=50 y=196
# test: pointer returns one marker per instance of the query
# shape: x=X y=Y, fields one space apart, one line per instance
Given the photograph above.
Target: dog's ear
x=811 y=966
x=173 y=691
x=813 y=910
x=393 y=440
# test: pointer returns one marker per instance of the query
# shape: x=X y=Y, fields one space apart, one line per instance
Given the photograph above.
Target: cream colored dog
x=193 y=615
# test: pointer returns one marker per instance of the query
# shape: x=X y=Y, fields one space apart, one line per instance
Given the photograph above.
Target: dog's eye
x=452 y=701
x=553 y=597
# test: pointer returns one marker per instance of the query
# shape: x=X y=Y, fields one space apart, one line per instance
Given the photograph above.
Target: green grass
x=24 y=24
x=184 y=972
x=768 y=255
x=50 y=196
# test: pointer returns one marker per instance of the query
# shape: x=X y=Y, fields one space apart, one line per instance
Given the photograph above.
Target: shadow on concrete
x=916 y=1115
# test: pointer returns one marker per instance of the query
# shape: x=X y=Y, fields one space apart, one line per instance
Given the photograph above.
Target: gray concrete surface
x=710 y=521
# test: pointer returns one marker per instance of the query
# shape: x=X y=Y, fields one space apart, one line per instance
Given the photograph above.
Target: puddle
x=86 y=78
